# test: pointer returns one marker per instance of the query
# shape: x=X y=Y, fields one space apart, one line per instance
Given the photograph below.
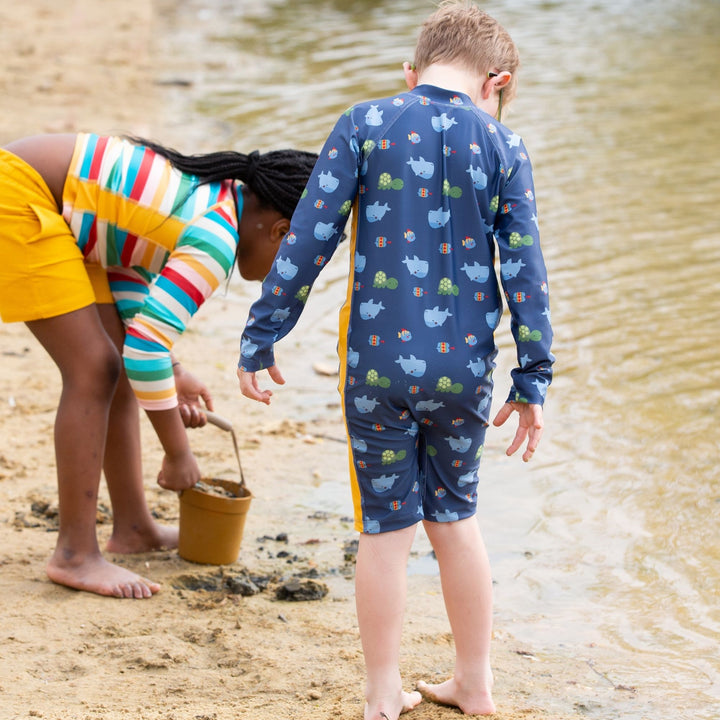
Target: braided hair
x=277 y=178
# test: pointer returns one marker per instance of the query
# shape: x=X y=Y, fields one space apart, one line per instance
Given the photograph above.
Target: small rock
x=241 y=585
x=299 y=590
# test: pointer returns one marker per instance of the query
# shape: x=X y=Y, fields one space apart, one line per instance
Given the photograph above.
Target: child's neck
x=452 y=77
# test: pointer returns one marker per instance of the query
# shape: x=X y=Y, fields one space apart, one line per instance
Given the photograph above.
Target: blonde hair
x=459 y=32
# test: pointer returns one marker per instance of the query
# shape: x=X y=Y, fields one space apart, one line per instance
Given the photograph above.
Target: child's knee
x=98 y=373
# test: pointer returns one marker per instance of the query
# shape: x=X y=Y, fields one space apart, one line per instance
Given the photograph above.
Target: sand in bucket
x=212 y=514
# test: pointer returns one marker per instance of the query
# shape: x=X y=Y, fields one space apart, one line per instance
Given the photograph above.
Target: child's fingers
x=503 y=414
x=518 y=440
x=276 y=375
x=207 y=398
x=250 y=389
x=534 y=435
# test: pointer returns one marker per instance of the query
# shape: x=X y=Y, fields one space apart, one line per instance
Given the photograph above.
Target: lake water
x=609 y=538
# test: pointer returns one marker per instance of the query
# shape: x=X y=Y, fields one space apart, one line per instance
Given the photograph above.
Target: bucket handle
x=225 y=424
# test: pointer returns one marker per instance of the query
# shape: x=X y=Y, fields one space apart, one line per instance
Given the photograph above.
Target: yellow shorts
x=42 y=273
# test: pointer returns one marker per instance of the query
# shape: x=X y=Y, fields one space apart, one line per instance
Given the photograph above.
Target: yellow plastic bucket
x=212 y=523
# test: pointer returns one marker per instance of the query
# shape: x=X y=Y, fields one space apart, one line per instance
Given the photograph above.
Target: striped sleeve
x=200 y=261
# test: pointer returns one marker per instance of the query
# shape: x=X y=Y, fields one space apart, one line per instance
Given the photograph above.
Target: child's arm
x=250 y=388
x=179 y=469
x=315 y=231
x=524 y=280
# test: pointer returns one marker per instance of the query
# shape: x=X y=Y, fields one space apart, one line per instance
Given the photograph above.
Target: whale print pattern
x=446 y=226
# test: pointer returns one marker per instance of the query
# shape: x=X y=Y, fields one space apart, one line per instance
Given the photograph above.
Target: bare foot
x=391 y=710
x=95 y=574
x=470 y=701
x=138 y=540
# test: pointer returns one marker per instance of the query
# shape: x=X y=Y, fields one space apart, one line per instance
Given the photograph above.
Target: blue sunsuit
x=436 y=186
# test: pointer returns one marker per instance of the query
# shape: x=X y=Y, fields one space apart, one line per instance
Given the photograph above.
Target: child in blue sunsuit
x=441 y=193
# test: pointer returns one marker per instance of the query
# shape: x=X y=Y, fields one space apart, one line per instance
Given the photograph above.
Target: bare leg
x=89 y=366
x=380 y=591
x=134 y=528
x=467 y=591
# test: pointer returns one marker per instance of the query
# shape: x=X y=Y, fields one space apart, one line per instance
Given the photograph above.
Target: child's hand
x=178 y=472
x=189 y=391
x=530 y=426
x=250 y=388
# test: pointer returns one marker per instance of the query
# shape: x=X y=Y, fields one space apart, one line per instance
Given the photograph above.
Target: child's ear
x=279 y=230
x=411 y=76
x=495 y=82
x=502 y=79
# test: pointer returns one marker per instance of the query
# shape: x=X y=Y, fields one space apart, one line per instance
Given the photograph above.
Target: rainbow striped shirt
x=166 y=244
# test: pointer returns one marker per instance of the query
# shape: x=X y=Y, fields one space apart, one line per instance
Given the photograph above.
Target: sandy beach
x=204 y=647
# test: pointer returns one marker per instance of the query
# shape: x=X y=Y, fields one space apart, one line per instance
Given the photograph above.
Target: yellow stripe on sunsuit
x=344 y=323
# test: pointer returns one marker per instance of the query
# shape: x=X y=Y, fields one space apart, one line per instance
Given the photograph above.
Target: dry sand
x=198 y=649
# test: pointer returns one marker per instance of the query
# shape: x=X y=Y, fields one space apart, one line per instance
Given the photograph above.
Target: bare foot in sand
x=471 y=702
x=391 y=710
x=137 y=539
x=95 y=574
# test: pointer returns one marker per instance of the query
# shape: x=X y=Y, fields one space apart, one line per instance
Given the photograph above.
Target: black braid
x=278 y=177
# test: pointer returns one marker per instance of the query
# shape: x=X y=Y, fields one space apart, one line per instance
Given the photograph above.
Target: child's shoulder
x=380 y=104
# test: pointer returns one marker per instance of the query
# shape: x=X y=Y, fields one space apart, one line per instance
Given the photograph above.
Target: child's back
x=437 y=178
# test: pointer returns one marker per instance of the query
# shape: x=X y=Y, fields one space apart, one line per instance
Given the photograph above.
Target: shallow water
x=610 y=537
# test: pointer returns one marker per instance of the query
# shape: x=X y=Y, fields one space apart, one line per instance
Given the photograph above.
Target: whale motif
x=412 y=366
x=384 y=482
x=428 y=405
x=374 y=116
x=416 y=267
x=372 y=527
x=476 y=272
x=280 y=315
x=328 y=182
x=436 y=317
x=324 y=231
x=510 y=268
x=376 y=211
x=353 y=357
x=478 y=177
x=438 y=218
x=477 y=367
x=285 y=268
x=421 y=167
x=446 y=516
x=365 y=405
x=460 y=445
x=247 y=348
x=443 y=122
x=370 y=309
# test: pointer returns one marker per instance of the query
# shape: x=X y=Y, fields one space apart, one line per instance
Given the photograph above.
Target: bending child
x=438 y=186
x=108 y=247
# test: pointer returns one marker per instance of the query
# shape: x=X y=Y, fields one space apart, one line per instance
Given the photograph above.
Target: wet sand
x=201 y=648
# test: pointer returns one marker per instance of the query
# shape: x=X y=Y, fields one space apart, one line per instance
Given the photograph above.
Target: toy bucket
x=212 y=519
